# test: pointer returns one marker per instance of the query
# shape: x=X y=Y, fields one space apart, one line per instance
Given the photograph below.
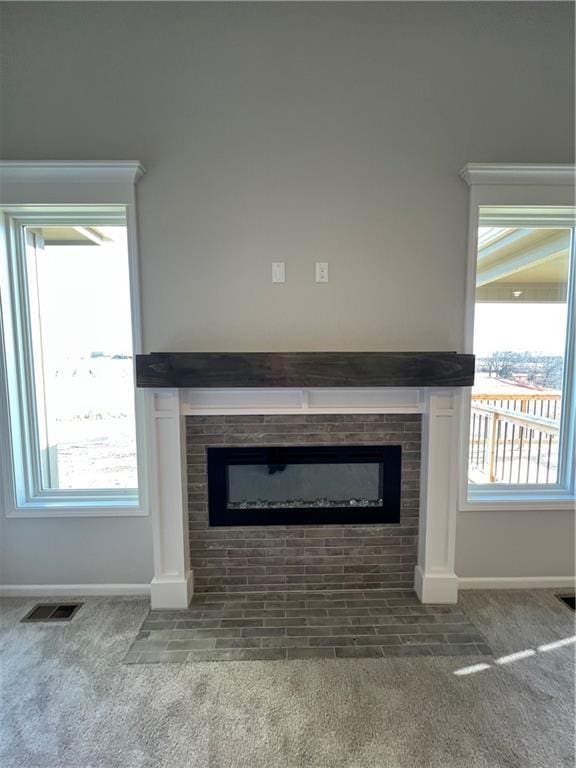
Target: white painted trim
x=537 y=504
x=434 y=577
x=58 y=171
x=45 y=511
x=65 y=590
x=65 y=183
x=516 y=582
x=507 y=173
x=440 y=588
x=284 y=400
x=171 y=593
x=172 y=584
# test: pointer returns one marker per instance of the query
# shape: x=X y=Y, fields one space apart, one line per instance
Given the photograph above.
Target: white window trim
x=27 y=188
x=539 y=186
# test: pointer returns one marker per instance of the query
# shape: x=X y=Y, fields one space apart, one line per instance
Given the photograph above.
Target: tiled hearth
x=296 y=558
x=296 y=625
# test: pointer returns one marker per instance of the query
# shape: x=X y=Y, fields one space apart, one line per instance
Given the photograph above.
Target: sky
x=521 y=327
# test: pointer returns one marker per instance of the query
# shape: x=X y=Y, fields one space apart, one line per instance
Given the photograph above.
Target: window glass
x=81 y=356
x=520 y=334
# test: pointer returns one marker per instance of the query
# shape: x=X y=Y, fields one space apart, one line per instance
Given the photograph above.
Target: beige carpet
x=69 y=702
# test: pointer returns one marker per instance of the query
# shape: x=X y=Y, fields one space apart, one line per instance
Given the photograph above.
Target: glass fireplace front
x=304 y=485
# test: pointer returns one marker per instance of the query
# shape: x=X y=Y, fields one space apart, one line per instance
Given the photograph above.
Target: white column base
x=171 y=593
x=435 y=587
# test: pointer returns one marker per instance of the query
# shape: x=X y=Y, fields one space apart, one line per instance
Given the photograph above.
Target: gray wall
x=297 y=133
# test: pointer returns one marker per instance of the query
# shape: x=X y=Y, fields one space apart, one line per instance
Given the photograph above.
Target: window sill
x=530 y=502
x=48 y=510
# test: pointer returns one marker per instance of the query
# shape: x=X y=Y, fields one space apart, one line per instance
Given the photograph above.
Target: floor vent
x=568 y=599
x=52 y=612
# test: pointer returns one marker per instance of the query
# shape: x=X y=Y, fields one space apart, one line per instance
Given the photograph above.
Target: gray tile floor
x=297 y=625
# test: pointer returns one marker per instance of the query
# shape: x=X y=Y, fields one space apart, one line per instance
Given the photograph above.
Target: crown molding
x=495 y=173
x=57 y=171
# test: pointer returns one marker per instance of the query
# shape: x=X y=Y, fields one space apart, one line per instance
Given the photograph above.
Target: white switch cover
x=278 y=272
x=321 y=271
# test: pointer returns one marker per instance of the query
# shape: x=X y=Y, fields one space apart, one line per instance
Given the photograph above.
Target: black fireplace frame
x=389 y=457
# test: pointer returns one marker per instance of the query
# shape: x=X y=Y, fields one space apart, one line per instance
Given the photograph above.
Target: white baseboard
x=517 y=582
x=464 y=582
x=65 y=590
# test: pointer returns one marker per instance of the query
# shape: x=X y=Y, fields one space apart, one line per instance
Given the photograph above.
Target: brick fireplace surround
x=316 y=557
x=190 y=556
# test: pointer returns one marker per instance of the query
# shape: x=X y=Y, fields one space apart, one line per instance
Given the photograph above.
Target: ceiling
x=522 y=264
x=80 y=235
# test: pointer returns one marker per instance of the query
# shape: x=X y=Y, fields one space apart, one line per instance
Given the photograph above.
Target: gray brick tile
x=233 y=642
x=192 y=644
x=406 y=650
x=422 y=639
x=264 y=632
x=330 y=621
x=263 y=654
x=284 y=622
x=218 y=633
x=248 y=654
x=283 y=642
x=242 y=623
x=358 y=652
x=396 y=629
x=447 y=649
x=151 y=644
x=349 y=612
x=159 y=625
x=357 y=630
x=348 y=640
x=306 y=631
x=209 y=547
x=378 y=621
x=198 y=624
x=367 y=620
x=301 y=652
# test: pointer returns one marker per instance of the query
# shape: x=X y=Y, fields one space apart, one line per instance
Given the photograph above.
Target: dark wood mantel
x=304 y=369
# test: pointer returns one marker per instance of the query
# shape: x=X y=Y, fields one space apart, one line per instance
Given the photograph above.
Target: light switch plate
x=278 y=272
x=321 y=271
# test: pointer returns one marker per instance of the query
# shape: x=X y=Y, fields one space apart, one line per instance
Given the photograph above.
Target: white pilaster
x=435 y=580
x=171 y=586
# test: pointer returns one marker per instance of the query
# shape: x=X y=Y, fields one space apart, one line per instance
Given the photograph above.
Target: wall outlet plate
x=278 y=272
x=321 y=271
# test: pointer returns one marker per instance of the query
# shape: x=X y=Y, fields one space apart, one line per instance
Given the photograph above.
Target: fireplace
x=417 y=412
x=304 y=485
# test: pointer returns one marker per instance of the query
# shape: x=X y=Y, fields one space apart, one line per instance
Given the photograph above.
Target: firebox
x=308 y=485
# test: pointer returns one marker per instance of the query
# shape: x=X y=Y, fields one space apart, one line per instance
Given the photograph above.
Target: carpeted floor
x=68 y=701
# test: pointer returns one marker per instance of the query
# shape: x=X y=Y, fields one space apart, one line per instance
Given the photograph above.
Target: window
x=67 y=316
x=520 y=336
x=522 y=404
